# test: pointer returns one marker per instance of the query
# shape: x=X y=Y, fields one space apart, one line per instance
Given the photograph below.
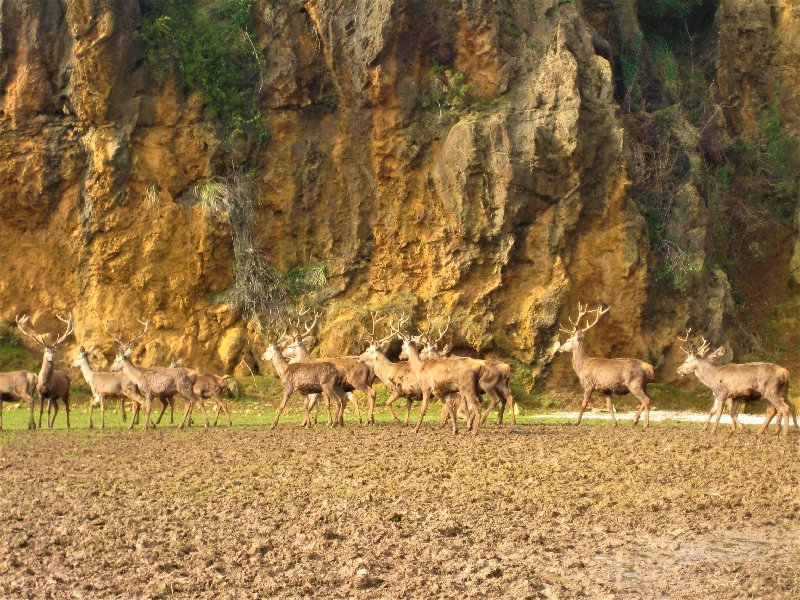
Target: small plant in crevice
x=631 y=64
x=447 y=90
x=258 y=288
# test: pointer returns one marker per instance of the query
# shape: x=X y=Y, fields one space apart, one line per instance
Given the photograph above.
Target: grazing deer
x=442 y=378
x=356 y=375
x=739 y=382
x=318 y=377
x=494 y=379
x=610 y=375
x=104 y=385
x=155 y=383
x=18 y=386
x=52 y=384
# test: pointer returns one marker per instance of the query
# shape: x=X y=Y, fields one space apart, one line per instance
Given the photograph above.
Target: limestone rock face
x=504 y=215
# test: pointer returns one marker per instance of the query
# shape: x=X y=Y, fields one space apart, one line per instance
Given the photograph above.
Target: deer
x=398 y=377
x=356 y=375
x=617 y=376
x=51 y=384
x=154 y=383
x=211 y=386
x=18 y=386
x=739 y=382
x=104 y=385
x=442 y=378
x=317 y=377
x=494 y=381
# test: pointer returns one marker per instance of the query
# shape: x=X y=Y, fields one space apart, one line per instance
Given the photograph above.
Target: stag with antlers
x=494 y=379
x=51 y=384
x=442 y=378
x=356 y=375
x=155 y=383
x=739 y=382
x=612 y=376
x=317 y=377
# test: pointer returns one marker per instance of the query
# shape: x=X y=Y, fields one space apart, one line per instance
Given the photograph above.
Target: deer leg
x=767 y=418
x=66 y=407
x=710 y=414
x=163 y=410
x=449 y=405
x=370 y=405
x=389 y=401
x=610 y=408
x=640 y=392
x=102 y=412
x=733 y=410
x=720 y=402
x=51 y=420
x=202 y=404
x=792 y=410
x=286 y=393
x=587 y=395
x=122 y=408
x=426 y=395
x=92 y=402
x=511 y=407
x=352 y=397
x=41 y=408
x=473 y=399
x=31 y=410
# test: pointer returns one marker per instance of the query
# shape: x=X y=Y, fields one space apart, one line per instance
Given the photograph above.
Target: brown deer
x=211 y=387
x=155 y=383
x=104 y=385
x=617 y=376
x=356 y=375
x=739 y=382
x=494 y=379
x=16 y=386
x=319 y=377
x=51 y=384
x=398 y=377
x=442 y=378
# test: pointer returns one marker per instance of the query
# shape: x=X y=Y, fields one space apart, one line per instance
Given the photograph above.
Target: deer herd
x=424 y=371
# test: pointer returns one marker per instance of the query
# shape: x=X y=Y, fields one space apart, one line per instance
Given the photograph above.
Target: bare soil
x=533 y=511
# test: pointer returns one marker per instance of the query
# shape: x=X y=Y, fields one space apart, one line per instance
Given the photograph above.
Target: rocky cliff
x=503 y=214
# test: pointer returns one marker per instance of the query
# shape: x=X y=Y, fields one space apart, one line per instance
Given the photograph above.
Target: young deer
x=104 y=385
x=208 y=387
x=155 y=383
x=307 y=378
x=356 y=375
x=51 y=384
x=442 y=378
x=740 y=382
x=18 y=386
x=494 y=378
x=610 y=375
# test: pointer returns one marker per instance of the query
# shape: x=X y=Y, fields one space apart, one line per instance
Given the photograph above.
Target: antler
x=442 y=331
x=704 y=348
x=310 y=328
x=426 y=335
x=599 y=312
x=22 y=321
x=685 y=340
x=67 y=331
x=111 y=335
x=370 y=339
x=397 y=330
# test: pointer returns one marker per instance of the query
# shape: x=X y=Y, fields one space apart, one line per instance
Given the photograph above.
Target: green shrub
x=447 y=90
x=630 y=62
x=212 y=48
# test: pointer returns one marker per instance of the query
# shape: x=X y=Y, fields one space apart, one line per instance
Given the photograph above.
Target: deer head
x=124 y=350
x=408 y=341
x=375 y=345
x=430 y=347
x=274 y=340
x=696 y=355
x=300 y=329
x=577 y=332
x=49 y=349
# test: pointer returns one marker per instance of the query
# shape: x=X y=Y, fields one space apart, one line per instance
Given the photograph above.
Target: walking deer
x=617 y=376
x=356 y=375
x=211 y=387
x=739 y=382
x=154 y=383
x=51 y=384
x=18 y=386
x=443 y=377
x=494 y=379
x=104 y=385
x=320 y=377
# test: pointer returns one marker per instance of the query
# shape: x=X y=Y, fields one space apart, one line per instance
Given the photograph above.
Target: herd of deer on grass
x=424 y=372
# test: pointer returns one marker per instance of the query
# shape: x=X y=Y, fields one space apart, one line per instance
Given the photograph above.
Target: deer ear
x=447 y=350
x=384 y=346
x=308 y=340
